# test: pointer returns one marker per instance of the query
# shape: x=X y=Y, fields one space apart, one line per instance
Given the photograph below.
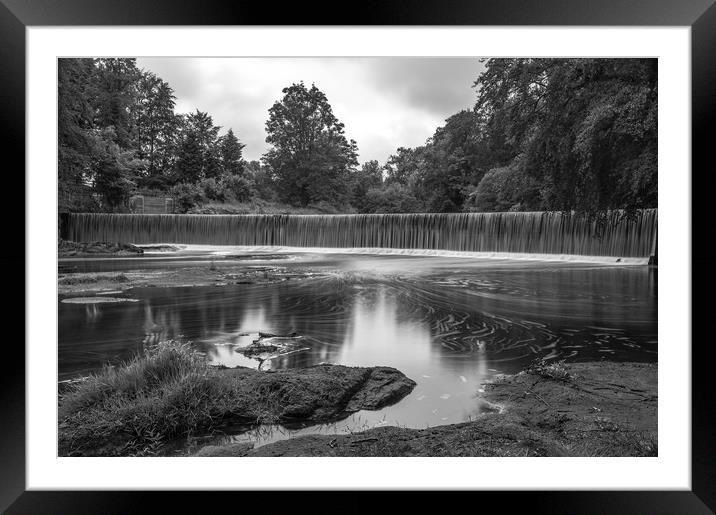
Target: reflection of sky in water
x=448 y=324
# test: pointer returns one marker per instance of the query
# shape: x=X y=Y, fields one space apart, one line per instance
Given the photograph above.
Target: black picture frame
x=16 y=15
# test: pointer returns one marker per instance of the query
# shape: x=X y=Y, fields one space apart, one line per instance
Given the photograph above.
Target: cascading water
x=513 y=232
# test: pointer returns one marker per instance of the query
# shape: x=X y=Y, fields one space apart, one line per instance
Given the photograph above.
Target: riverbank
x=580 y=409
x=145 y=407
x=171 y=392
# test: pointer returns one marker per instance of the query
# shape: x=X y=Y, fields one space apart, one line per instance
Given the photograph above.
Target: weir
x=510 y=232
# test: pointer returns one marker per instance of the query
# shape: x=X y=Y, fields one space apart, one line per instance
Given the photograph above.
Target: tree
x=402 y=167
x=453 y=162
x=261 y=178
x=190 y=160
x=310 y=155
x=370 y=175
x=75 y=119
x=393 y=198
x=115 y=98
x=505 y=189
x=231 y=154
x=114 y=171
x=198 y=152
x=586 y=129
x=155 y=124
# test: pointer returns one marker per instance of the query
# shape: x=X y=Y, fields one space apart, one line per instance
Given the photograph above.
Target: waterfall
x=513 y=232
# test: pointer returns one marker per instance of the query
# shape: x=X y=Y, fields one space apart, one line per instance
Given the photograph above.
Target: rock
x=544 y=417
x=232 y=449
x=257 y=348
x=319 y=393
x=384 y=386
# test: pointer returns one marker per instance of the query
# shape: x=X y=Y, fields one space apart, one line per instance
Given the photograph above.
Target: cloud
x=385 y=103
x=436 y=85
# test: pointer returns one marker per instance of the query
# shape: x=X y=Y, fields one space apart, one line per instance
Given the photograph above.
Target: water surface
x=447 y=323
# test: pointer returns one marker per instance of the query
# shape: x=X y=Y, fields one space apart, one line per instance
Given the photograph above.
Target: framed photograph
x=414 y=250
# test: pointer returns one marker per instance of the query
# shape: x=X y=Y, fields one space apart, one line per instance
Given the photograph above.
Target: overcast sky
x=385 y=103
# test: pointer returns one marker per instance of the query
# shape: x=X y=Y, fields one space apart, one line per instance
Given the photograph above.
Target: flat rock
x=318 y=393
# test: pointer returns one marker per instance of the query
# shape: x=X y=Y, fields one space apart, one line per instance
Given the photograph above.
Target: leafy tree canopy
x=310 y=155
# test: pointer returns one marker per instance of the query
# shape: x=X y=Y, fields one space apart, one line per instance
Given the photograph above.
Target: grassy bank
x=135 y=408
x=171 y=392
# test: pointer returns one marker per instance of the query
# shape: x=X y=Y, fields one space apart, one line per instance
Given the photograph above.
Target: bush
x=212 y=189
x=324 y=207
x=237 y=187
x=186 y=196
x=394 y=198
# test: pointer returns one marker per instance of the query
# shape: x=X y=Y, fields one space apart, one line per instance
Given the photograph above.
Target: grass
x=168 y=392
x=555 y=370
x=619 y=442
x=171 y=392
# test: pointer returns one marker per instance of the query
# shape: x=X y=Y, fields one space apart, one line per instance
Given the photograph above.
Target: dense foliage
x=544 y=134
x=310 y=157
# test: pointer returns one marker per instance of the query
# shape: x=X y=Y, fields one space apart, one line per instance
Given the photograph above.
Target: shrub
x=186 y=196
x=238 y=187
x=212 y=189
x=394 y=198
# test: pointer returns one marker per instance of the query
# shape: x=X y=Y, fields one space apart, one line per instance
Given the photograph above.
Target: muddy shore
x=597 y=409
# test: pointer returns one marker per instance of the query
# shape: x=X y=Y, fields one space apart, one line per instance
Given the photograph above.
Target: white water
x=490 y=234
x=224 y=250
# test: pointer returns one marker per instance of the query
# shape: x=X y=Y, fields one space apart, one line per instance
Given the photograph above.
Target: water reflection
x=447 y=324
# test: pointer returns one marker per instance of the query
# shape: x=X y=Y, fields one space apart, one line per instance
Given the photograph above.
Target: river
x=449 y=323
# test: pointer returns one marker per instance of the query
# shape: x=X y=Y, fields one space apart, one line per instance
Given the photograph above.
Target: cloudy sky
x=385 y=103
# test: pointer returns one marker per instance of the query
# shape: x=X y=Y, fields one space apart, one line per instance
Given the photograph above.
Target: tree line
x=544 y=134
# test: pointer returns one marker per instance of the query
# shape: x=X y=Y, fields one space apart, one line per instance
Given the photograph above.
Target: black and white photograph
x=422 y=242
x=357 y=256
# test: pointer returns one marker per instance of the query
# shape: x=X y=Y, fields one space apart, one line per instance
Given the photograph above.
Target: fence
x=147 y=205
